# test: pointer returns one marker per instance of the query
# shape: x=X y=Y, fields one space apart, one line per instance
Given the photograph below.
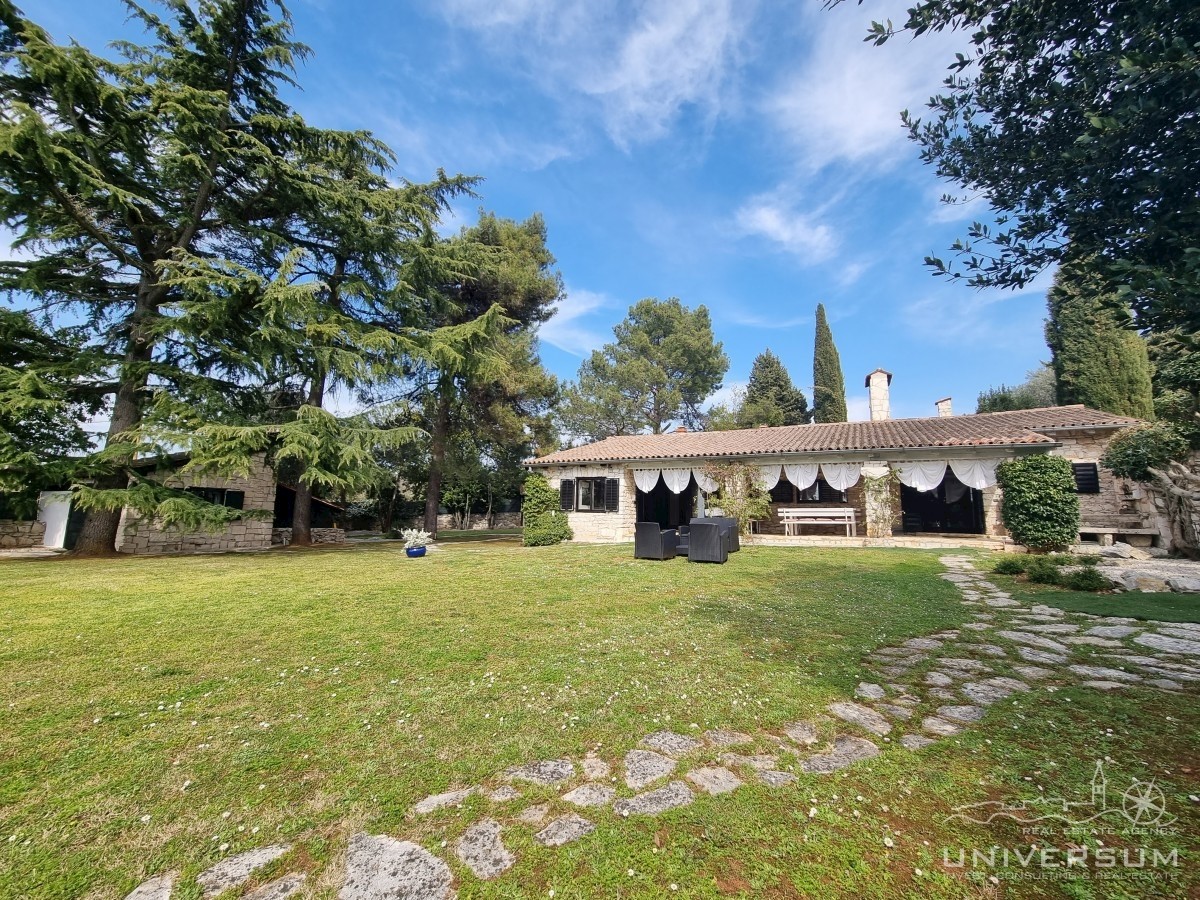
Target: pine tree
x=771 y=398
x=1099 y=360
x=829 y=387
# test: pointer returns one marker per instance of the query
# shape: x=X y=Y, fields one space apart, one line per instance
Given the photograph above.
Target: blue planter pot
x=414 y=552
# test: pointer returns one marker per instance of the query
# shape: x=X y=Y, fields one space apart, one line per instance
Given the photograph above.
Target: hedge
x=544 y=524
x=1040 y=508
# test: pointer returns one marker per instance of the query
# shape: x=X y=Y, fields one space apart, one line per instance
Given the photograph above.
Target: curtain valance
x=841 y=476
x=677 y=479
x=645 y=479
x=801 y=475
x=923 y=476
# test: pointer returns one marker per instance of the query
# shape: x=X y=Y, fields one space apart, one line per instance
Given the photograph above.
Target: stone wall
x=479 y=521
x=283 y=536
x=600 y=527
x=1120 y=503
x=16 y=535
x=139 y=535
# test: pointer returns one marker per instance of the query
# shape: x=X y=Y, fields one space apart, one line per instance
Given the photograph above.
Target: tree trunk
x=438 y=434
x=1180 y=488
x=98 y=536
x=302 y=509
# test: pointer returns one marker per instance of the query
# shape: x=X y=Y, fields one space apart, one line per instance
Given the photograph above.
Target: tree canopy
x=829 y=385
x=1076 y=122
x=771 y=398
x=660 y=369
x=1035 y=392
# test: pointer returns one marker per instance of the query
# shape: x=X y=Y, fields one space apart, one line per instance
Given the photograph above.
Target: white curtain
x=840 y=476
x=801 y=475
x=976 y=473
x=708 y=485
x=768 y=476
x=924 y=476
x=677 y=479
x=645 y=479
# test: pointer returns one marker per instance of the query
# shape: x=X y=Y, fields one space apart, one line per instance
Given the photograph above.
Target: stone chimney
x=682 y=429
x=877 y=385
x=944 y=408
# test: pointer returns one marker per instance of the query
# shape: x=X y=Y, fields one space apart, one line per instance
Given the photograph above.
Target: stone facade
x=600 y=527
x=16 y=535
x=479 y=522
x=283 y=536
x=138 y=535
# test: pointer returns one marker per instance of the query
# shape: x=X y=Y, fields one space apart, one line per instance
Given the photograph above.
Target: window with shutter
x=235 y=499
x=1087 y=478
x=612 y=494
x=566 y=494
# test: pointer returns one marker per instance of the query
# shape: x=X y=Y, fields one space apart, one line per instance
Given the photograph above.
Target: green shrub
x=1135 y=451
x=544 y=523
x=1087 y=559
x=1086 y=579
x=1010 y=565
x=1042 y=570
x=1040 y=507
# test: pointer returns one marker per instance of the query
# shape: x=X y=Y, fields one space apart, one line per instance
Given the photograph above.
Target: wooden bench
x=795 y=517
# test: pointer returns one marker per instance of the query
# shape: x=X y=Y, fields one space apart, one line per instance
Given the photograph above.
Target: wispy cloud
x=955 y=314
x=567 y=332
x=800 y=233
x=748 y=319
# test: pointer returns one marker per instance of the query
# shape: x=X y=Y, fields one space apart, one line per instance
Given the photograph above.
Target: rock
x=985 y=694
x=938 y=679
x=942 y=694
x=804 y=733
x=533 y=815
x=722 y=738
x=990 y=650
x=672 y=744
x=157 y=888
x=1001 y=602
x=1167 y=684
x=893 y=671
x=915 y=741
x=382 y=868
x=1105 y=685
x=1033 y=671
x=279 y=889
x=503 y=794
x=965 y=665
x=1121 y=550
x=846 y=751
x=1033 y=640
x=441 y=801
x=547 y=773
x=869 y=691
x=1111 y=631
x=1084 y=640
x=654 y=802
x=961 y=713
x=940 y=727
x=978 y=626
x=923 y=644
x=1169 y=644
x=714 y=780
x=862 y=716
x=1042 y=610
x=235 y=870
x=481 y=850
x=1055 y=628
x=563 y=830
x=900 y=652
x=1041 y=656
x=761 y=762
x=1157 y=552
x=896 y=712
x=643 y=767
x=1179 y=631
x=594 y=768
x=591 y=795
x=776 y=779
x=1104 y=673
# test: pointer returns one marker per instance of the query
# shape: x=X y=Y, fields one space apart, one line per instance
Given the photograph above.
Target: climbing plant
x=1040 y=507
x=738 y=493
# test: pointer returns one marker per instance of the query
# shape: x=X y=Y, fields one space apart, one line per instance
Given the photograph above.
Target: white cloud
x=801 y=234
x=565 y=331
x=640 y=66
x=843 y=103
x=739 y=316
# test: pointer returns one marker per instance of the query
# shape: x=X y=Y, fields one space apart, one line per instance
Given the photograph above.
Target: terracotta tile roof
x=1020 y=427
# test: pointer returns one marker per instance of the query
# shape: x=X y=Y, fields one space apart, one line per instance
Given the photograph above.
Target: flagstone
x=714 y=780
x=651 y=803
x=481 y=850
x=379 y=867
x=846 y=751
x=860 y=715
x=643 y=767
x=564 y=830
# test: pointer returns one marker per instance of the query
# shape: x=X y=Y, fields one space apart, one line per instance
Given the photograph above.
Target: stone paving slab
x=534 y=815
x=591 y=795
x=714 y=780
x=846 y=751
x=961 y=713
x=862 y=716
x=548 y=772
x=939 y=726
x=1033 y=640
x=776 y=779
x=644 y=767
x=379 y=867
x=564 y=830
x=279 y=889
x=503 y=794
x=896 y=712
x=722 y=738
x=1104 y=673
x=915 y=741
x=1035 y=672
x=804 y=733
x=441 y=801
x=868 y=691
x=761 y=761
x=1169 y=644
x=481 y=850
x=1041 y=656
x=651 y=803
x=236 y=870
x=594 y=768
x=672 y=744
x=1112 y=631
x=157 y=888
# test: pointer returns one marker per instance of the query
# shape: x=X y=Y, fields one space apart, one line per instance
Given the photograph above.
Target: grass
x=1161 y=607
x=158 y=709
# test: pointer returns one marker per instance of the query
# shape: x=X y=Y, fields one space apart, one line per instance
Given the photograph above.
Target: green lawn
x=157 y=709
x=1132 y=604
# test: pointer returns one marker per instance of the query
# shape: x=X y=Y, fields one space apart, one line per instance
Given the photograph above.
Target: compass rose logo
x=1143 y=803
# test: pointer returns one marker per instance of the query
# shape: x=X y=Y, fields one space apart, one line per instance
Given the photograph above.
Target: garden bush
x=545 y=523
x=1010 y=565
x=1042 y=570
x=1135 y=451
x=1040 y=507
x=1086 y=579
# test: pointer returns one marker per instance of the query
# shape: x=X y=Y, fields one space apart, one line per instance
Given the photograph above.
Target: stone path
x=929 y=688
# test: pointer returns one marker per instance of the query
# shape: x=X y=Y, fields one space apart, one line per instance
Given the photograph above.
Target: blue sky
x=745 y=156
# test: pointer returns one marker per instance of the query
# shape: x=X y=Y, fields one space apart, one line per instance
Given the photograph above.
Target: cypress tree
x=829 y=387
x=771 y=398
x=1099 y=360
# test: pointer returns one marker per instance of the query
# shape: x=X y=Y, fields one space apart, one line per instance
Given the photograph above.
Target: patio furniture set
x=709 y=539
